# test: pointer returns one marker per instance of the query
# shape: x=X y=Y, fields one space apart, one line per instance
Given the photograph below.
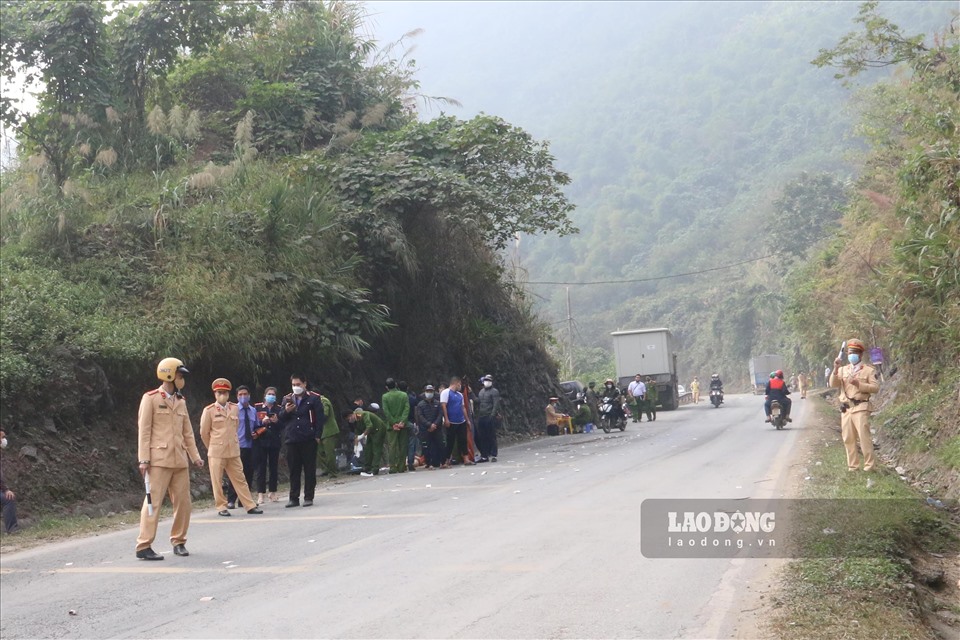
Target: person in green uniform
x=582 y=416
x=329 y=436
x=371 y=431
x=396 y=409
x=652 y=398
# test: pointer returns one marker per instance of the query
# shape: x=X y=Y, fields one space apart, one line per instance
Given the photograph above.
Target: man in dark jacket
x=777 y=390
x=488 y=411
x=8 y=499
x=302 y=420
x=429 y=419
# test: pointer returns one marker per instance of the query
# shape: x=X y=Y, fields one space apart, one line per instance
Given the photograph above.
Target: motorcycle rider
x=777 y=390
x=716 y=384
x=611 y=393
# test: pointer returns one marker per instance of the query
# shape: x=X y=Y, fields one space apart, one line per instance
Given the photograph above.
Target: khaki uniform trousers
x=174 y=482
x=856 y=426
x=234 y=469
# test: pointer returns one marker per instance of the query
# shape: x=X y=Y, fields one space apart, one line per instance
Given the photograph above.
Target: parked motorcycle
x=716 y=397
x=610 y=418
x=777 y=418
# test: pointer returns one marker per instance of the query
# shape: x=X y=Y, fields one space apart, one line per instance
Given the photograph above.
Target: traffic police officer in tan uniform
x=857 y=381
x=164 y=443
x=218 y=430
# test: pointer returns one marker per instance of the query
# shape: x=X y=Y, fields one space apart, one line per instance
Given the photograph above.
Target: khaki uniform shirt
x=867 y=376
x=553 y=416
x=164 y=433
x=218 y=430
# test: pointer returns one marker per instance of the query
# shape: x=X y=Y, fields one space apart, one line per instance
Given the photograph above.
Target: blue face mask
x=243 y=400
x=271 y=398
x=854 y=358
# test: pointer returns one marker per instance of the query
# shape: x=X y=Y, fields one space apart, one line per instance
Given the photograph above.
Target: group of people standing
x=243 y=441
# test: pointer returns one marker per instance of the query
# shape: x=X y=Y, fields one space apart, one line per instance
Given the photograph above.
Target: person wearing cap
x=218 y=430
x=593 y=401
x=637 y=397
x=329 y=438
x=553 y=415
x=488 y=411
x=652 y=398
x=166 y=446
x=429 y=418
x=371 y=431
x=857 y=381
x=396 y=409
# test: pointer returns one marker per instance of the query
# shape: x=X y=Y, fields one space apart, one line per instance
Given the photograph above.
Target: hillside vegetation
x=247 y=187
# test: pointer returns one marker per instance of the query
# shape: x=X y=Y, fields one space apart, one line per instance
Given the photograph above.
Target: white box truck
x=651 y=353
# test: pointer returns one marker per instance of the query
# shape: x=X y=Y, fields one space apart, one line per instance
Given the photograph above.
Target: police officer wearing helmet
x=166 y=446
x=857 y=381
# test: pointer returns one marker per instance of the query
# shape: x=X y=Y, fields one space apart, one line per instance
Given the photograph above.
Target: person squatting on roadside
x=219 y=423
x=165 y=447
x=857 y=381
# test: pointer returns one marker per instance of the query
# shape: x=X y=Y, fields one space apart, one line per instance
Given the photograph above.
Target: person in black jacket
x=266 y=444
x=429 y=418
x=302 y=422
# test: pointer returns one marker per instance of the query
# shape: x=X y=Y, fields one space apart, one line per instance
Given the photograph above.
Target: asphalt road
x=544 y=543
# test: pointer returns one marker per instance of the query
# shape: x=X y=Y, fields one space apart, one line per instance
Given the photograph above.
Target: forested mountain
x=696 y=135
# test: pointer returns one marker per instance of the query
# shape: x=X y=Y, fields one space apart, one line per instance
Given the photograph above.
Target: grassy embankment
x=894 y=576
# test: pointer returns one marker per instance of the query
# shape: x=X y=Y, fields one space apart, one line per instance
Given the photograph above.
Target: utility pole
x=569 y=336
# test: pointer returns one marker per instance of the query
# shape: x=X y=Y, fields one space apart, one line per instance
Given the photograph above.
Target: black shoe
x=255 y=510
x=493 y=458
x=231 y=505
x=292 y=503
x=483 y=460
x=224 y=513
x=148 y=554
x=180 y=550
x=308 y=503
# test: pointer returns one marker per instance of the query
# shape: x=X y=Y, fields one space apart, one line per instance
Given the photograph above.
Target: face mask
x=854 y=358
x=3 y=443
x=271 y=398
x=243 y=400
x=222 y=397
x=298 y=391
x=487 y=384
x=428 y=396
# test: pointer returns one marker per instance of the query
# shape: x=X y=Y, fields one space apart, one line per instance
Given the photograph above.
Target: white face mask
x=428 y=396
x=487 y=384
x=3 y=443
x=298 y=391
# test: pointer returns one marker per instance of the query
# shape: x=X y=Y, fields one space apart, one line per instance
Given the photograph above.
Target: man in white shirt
x=638 y=391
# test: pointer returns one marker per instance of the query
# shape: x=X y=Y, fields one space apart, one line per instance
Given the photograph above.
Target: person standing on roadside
x=455 y=421
x=488 y=411
x=329 y=438
x=802 y=385
x=637 y=393
x=8 y=499
x=302 y=422
x=593 y=401
x=248 y=423
x=166 y=446
x=266 y=444
x=429 y=418
x=695 y=389
x=396 y=409
x=653 y=397
x=218 y=430
x=857 y=381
